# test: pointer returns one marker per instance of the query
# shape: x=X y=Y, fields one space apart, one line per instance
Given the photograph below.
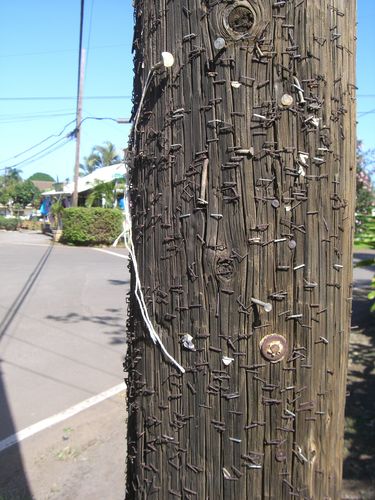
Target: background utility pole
x=242 y=191
x=78 y=126
x=81 y=78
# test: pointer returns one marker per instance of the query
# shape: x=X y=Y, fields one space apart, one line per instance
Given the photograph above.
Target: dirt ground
x=82 y=458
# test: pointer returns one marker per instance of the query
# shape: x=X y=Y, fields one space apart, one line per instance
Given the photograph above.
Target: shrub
x=31 y=225
x=8 y=224
x=91 y=226
x=365 y=230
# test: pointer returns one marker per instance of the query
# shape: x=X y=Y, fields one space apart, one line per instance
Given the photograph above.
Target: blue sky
x=366 y=73
x=39 y=58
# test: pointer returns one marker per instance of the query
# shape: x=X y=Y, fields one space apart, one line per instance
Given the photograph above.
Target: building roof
x=103 y=174
x=43 y=185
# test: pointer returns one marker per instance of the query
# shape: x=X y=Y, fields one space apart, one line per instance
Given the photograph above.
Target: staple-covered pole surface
x=242 y=201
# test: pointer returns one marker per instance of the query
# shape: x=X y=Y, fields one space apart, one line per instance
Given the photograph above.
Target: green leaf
x=365 y=263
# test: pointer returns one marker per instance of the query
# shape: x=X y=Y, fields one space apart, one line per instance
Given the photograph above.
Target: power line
x=39 y=156
x=364 y=113
x=22 y=119
x=61 y=51
x=59 y=146
x=48 y=149
x=63 y=98
x=98 y=97
x=35 y=113
x=69 y=136
x=38 y=143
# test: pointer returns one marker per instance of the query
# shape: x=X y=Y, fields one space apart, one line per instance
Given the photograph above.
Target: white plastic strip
x=141 y=301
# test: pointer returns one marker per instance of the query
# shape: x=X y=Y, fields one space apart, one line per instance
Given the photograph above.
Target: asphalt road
x=62 y=326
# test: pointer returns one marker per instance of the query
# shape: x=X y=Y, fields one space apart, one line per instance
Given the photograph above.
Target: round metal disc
x=273 y=347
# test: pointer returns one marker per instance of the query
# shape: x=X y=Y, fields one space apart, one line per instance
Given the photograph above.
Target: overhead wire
x=95 y=47
x=62 y=141
x=63 y=98
x=39 y=156
x=38 y=143
x=22 y=119
x=32 y=113
x=68 y=136
x=364 y=113
x=48 y=150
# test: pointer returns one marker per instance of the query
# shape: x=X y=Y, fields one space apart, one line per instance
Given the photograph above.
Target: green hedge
x=365 y=230
x=8 y=224
x=91 y=226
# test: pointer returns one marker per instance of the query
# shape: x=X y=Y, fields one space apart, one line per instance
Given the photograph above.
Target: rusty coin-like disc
x=273 y=347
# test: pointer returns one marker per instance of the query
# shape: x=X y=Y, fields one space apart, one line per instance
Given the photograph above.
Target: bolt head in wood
x=286 y=100
x=273 y=347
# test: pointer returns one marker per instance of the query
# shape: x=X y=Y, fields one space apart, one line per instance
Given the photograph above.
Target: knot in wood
x=224 y=268
x=241 y=19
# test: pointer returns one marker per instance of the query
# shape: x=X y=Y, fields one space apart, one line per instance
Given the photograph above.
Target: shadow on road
x=119 y=282
x=360 y=405
x=113 y=323
x=13 y=480
x=19 y=300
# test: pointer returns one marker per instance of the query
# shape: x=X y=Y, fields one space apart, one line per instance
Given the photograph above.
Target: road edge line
x=59 y=417
x=122 y=256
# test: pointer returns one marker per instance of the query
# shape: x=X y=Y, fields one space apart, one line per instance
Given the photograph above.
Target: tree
x=25 y=193
x=8 y=182
x=41 y=176
x=100 y=156
x=242 y=199
x=91 y=163
x=103 y=194
x=364 y=187
x=12 y=175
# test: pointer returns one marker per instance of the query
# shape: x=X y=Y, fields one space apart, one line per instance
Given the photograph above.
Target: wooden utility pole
x=78 y=125
x=242 y=198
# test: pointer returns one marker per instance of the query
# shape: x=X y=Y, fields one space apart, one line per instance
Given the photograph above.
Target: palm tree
x=91 y=163
x=103 y=194
x=100 y=156
x=108 y=154
x=12 y=175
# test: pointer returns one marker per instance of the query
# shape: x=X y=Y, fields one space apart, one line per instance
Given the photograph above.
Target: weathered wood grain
x=242 y=187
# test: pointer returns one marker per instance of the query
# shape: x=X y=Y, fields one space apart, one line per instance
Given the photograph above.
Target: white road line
x=59 y=417
x=111 y=253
